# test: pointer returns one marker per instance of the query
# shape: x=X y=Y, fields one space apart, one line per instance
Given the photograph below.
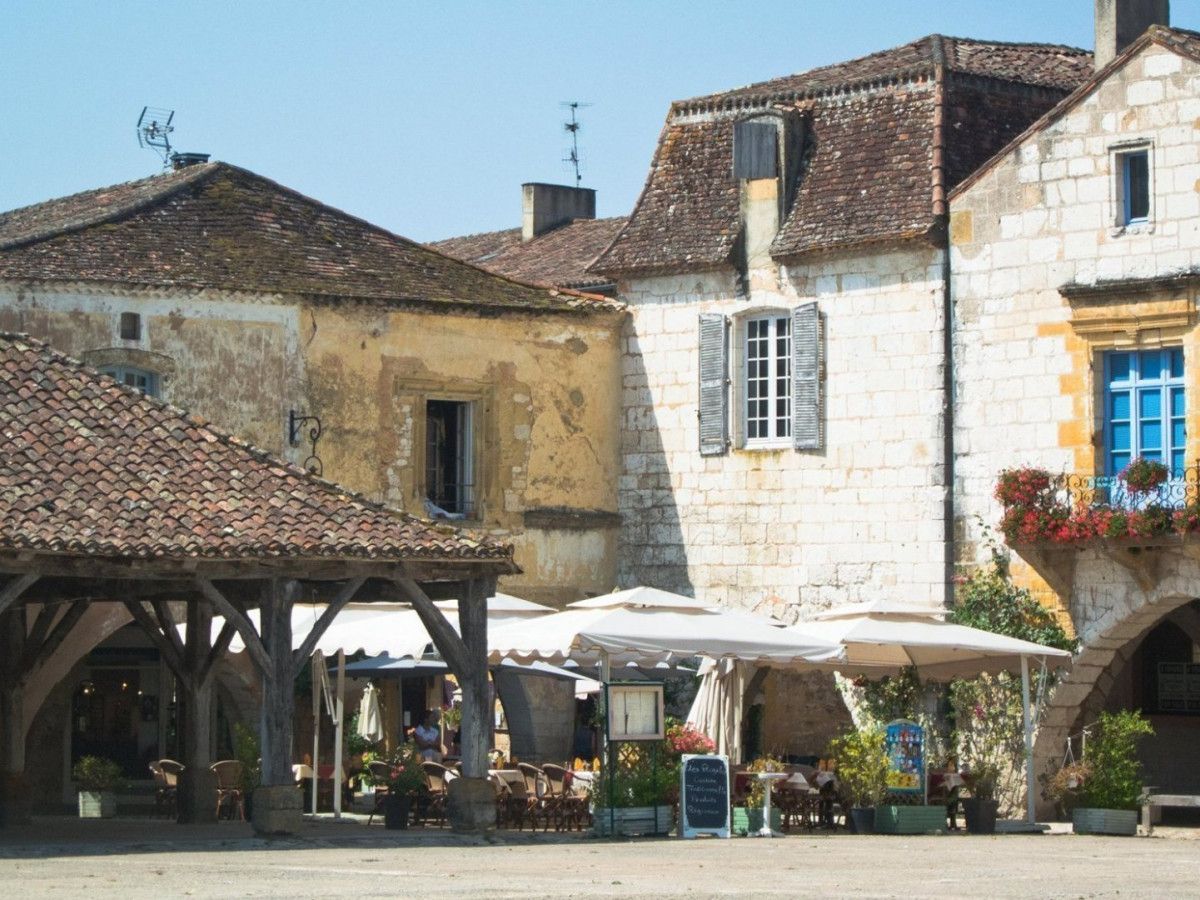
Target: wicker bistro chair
x=229 y=787
x=436 y=777
x=380 y=772
x=542 y=804
x=166 y=781
x=569 y=808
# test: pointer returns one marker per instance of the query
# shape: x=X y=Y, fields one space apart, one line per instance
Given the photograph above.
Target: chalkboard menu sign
x=704 y=796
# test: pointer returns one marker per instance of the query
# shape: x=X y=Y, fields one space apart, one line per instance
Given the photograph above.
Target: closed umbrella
x=370 y=722
x=717 y=709
x=885 y=637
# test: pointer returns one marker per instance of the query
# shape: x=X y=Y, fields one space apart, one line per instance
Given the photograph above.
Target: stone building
x=784 y=387
x=1076 y=267
x=419 y=381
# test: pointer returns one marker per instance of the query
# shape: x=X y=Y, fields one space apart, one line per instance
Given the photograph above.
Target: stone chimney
x=546 y=206
x=1121 y=22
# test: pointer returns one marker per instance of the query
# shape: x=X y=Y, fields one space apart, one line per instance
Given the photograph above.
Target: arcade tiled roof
x=92 y=468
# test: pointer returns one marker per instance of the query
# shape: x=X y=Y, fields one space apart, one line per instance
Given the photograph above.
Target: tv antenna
x=154 y=131
x=573 y=127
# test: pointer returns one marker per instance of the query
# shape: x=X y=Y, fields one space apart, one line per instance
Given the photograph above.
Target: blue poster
x=905 y=743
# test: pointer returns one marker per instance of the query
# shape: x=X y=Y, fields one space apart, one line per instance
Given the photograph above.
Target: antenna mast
x=573 y=127
x=154 y=131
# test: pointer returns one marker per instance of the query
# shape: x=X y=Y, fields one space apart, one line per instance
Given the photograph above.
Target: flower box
x=632 y=820
x=910 y=819
x=97 y=804
x=748 y=821
x=1104 y=821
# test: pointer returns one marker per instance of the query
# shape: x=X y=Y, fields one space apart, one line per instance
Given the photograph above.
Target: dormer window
x=138 y=379
x=755 y=150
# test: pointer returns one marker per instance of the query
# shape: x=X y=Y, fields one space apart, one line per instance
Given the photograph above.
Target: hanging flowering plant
x=1144 y=475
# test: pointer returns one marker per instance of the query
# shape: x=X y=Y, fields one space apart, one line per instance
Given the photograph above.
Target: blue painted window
x=139 y=379
x=1145 y=408
x=1135 y=175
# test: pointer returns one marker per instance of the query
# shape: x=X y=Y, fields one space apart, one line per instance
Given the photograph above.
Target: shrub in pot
x=98 y=780
x=246 y=751
x=406 y=781
x=862 y=767
x=981 y=807
x=1112 y=790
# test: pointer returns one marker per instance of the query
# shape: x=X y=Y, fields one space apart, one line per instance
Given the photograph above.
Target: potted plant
x=1109 y=796
x=981 y=807
x=862 y=767
x=406 y=780
x=1065 y=786
x=748 y=818
x=1144 y=475
x=639 y=798
x=246 y=751
x=98 y=780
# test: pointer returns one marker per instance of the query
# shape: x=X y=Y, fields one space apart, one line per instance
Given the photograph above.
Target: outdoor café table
x=768 y=777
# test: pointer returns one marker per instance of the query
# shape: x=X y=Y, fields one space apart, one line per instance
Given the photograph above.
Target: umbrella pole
x=1029 y=803
x=339 y=720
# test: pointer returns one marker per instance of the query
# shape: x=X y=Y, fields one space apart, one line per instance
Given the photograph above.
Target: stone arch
x=1112 y=614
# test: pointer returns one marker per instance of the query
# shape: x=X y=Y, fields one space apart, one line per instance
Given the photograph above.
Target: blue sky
x=424 y=117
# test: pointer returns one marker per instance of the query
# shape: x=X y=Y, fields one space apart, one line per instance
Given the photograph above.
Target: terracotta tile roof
x=219 y=226
x=558 y=258
x=868 y=171
x=93 y=468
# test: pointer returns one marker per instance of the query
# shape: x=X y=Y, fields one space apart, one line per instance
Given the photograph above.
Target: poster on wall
x=905 y=742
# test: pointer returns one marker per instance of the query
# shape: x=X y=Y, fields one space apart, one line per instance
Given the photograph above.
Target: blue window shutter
x=807 y=431
x=713 y=410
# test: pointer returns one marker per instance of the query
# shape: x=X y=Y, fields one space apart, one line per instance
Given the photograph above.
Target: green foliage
x=246 y=751
x=96 y=774
x=987 y=599
x=647 y=774
x=862 y=765
x=1115 y=780
x=892 y=696
x=758 y=788
x=406 y=776
x=356 y=744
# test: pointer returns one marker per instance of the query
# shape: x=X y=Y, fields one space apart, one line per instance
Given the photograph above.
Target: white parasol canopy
x=884 y=637
x=650 y=627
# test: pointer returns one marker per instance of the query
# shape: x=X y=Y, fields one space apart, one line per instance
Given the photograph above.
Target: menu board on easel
x=905 y=743
x=704 y=795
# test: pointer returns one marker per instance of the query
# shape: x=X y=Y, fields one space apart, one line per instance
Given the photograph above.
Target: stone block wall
x=779 y=530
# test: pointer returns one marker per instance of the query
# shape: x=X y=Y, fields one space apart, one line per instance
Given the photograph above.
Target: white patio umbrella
x=650 y=627
x=370 y=722
x=884 y=637
x=717 y=708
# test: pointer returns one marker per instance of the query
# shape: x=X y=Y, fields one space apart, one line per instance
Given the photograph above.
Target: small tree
x=862 y=765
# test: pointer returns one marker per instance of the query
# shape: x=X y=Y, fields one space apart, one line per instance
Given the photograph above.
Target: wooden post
x=471 y=806
x=275 y=611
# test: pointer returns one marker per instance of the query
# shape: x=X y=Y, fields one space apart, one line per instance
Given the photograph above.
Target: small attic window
x=755 y=150
x=1135 y=184
x=131 y=326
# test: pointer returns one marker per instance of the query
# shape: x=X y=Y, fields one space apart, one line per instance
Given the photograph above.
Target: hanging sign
x=704 y=795
x=905 y=743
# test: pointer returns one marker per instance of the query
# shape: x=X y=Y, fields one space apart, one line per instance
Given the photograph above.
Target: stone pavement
x=132 y=859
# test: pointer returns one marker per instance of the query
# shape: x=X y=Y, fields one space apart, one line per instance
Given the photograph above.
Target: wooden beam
x=150 y=625
x=245 y=628
x=218 y=649
x=15 y=588
x=166 y=620
x=304 y=651
x=62 y=628
x=445 y=638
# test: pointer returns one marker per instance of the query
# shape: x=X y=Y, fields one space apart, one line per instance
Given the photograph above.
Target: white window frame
x=772 y=316
x=1118 y=154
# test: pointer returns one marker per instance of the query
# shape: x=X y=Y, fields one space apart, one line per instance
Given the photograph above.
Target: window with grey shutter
x=713 y=411
x=755 y=149
x=806 y=378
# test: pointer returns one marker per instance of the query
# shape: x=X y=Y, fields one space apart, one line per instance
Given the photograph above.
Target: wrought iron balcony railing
x=1076 y=491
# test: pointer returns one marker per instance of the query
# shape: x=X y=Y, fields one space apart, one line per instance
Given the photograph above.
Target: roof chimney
x=1121 y=22
x=183 y=160
x=546 y=206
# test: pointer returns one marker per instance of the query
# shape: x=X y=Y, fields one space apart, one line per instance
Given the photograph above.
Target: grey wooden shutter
x=713 y=411
x=806 y=378
x=755 y=149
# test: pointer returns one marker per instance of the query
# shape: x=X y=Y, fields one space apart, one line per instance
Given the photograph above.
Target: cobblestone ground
x=115 y=859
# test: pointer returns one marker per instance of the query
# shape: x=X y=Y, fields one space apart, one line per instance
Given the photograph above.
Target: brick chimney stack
x=1121 y=22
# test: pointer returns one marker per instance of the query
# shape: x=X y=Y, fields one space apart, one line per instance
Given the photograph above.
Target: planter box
x=97 y=804
x=747 y=821
x=910 y=819
x=1104 y=821
x=633 y=820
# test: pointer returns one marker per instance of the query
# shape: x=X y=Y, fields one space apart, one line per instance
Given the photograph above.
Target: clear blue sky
x=424 y=117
